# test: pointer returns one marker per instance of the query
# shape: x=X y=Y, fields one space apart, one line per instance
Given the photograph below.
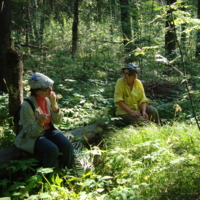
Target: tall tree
x=5 y=40
x=126 y=24
x=198 y=33
x=11 y=62
x=75 y=28
x=170 y=35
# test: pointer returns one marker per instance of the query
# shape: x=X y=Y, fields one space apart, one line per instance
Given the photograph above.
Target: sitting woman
x=39 y=134
x=130 y=99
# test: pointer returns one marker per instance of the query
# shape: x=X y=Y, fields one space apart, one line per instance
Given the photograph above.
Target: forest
x=82 y=46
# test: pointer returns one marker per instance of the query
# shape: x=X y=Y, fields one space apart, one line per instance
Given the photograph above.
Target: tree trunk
x=5 y=40
x=126 y=28
x=135 y=21
x=29 y=30
x=14 y=80
x=170 y=37
x=198 y=34
x=75 y=28
x=35 y=22
x=183 y=27
x=126 y=22
x=45 y=10
x=11 y=61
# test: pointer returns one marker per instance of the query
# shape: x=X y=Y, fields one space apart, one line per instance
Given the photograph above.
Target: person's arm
x=143 y=107
x=32 y=125
x=128 y=110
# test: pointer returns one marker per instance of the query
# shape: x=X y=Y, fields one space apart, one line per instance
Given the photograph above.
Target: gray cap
x=131 y=66
x=38 y=80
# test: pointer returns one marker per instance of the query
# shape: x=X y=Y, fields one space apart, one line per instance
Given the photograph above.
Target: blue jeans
x=50 y=145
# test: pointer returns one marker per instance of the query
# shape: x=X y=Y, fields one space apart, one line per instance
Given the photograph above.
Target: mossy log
x=91 y=134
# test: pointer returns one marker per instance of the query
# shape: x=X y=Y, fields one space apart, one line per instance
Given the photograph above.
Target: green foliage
x=136 y=163
x=154 y=161
x=3 y=107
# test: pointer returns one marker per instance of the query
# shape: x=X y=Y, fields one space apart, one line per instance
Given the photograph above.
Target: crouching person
x=130 y=99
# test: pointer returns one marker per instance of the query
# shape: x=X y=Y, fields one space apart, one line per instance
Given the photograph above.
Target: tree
x=5 y=40
x=170 y=36
x=183 y=28
x=126 y=27
x=198 y=34
x=11 y=60
x=75 y=28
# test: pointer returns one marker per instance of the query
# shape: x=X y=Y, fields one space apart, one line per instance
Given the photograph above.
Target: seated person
x=130 y=99
x=39 y=134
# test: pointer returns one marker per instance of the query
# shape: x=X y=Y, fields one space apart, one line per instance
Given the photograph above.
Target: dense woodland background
x=82 y=46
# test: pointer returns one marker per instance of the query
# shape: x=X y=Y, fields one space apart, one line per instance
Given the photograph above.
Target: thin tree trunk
x=126 y=23
x=126 y=30
x=46 y=9
x=170 y=38
x=5 y=40
x=29 y=30
x=183 y=27
x=135 y=20
x=198 y=34
x=35 y=22
x=75 y=28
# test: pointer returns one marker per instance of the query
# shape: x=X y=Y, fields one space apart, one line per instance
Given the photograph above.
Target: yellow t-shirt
x=133 y=99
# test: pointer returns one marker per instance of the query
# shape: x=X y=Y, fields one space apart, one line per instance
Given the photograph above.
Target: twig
x=105 y=41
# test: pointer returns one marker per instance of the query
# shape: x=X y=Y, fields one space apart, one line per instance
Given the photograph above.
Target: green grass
x=155 y=163
x=143 y=163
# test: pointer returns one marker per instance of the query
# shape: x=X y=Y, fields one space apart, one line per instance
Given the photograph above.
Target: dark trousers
x=50 y=145
x=150 y=110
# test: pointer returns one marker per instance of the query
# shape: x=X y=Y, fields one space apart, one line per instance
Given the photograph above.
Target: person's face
x=128 y=77
x=45 y=92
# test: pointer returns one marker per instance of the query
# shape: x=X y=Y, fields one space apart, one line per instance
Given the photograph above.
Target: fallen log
x=91 y=134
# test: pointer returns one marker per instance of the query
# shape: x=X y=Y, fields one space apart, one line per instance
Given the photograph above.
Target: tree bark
x=75 y=28
x=29 y=30
x=14 y=80
x=198 y=34
x=183 y=27
x=10 y=61
x=170 y=37
x=126 y=23
x=35 y=22
x=5 y=40
x=126 y=30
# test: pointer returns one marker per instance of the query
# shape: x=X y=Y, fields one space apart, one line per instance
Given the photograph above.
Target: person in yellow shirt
x=130 y=99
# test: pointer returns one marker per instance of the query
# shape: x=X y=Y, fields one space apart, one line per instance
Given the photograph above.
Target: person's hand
x=52 y=98
x=135 y=114
x=42 y=119
x=144 y=114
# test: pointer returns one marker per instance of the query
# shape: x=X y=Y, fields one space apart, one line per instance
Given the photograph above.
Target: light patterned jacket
x=25 y=140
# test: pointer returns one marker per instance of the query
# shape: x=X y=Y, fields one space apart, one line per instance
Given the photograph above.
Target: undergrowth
x=158 y=163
